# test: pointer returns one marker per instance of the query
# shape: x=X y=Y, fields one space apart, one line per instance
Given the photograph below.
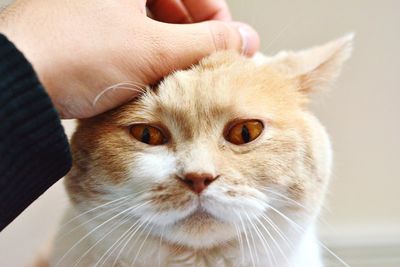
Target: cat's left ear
x=315 y=68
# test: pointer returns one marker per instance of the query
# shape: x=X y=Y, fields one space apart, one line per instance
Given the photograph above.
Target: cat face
x=212 y=148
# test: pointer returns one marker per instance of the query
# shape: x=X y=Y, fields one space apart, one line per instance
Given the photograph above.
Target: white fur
x=233 y=222
x=153 y=165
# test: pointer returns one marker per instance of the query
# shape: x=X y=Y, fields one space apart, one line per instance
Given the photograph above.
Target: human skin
x=81 y=48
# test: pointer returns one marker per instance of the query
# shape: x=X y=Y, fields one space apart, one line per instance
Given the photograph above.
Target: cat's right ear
x=315 y=68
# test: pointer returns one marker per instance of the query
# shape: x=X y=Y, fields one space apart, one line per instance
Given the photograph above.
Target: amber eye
x=148 y=134
x=244 y=132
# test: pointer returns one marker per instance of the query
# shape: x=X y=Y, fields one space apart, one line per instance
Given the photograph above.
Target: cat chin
x=200 y=241
x=200 y=230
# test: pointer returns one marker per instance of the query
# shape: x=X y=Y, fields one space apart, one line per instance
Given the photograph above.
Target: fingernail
x=250 y=39
x=245 y=34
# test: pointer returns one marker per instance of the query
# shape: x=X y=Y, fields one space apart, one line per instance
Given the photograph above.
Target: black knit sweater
x=34 y=151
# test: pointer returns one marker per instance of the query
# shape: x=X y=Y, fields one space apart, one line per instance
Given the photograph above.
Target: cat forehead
x=223 y=86
x=225 y=81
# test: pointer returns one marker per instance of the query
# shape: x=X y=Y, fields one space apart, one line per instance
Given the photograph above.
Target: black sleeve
x=34 y=151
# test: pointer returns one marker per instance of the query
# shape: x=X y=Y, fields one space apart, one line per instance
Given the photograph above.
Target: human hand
x=80 y=49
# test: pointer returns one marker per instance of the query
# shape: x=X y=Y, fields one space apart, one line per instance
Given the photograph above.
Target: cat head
x=226 y=142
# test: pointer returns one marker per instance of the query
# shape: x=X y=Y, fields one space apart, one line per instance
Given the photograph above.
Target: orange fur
x=291 y=156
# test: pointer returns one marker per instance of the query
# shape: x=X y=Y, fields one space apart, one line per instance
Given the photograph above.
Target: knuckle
x=220 y=33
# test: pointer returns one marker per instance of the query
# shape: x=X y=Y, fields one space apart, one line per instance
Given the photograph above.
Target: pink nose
x=197 y=182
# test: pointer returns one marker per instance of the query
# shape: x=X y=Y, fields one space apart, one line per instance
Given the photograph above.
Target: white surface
x=361 y=114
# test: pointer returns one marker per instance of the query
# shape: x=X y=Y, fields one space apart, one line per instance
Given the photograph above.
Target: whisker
x=274 y=241
x=247 y=239
x=123 y=202
x=262 y=239
x=88 y=211
x=108 y=89
x=302 y=230
x=290 y=200
x=239 y=234
x=145 y=239
x=97 y=227
x=117 y=243
x=61 y=237
x=333 y=254
x=281 y=33
x=286 y=217
x=252 y=239
x=133 y=83
x=287 y=198
x=159 y=250
x=279 y=232
x=266 y=246
x=119 y=223
x=278 y=36
x=127 y=241
x=124 y=85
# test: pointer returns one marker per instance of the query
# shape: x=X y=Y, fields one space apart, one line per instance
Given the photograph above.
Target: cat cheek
x=227 y=202
x=156 y=165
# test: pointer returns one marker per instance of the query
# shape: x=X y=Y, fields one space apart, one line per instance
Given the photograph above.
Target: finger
x=169 y=11
x=180 y=46
x=212 y=36
x=202 y=10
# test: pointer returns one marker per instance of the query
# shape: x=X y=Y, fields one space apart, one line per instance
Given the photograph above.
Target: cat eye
x=244 y=132
x=148 y=134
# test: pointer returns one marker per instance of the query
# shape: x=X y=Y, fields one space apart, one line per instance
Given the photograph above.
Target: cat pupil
x=245 y=134
x=145 y=135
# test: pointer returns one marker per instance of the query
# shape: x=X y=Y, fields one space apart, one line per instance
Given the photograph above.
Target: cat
x=221 y=164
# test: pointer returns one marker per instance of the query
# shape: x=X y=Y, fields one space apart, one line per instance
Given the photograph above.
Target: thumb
x=185 y=44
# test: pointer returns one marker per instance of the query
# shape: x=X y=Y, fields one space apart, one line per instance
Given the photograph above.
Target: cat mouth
x=200 y=216
x=199 y=222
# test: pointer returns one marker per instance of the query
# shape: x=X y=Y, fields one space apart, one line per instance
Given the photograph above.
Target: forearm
x=34 y=151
